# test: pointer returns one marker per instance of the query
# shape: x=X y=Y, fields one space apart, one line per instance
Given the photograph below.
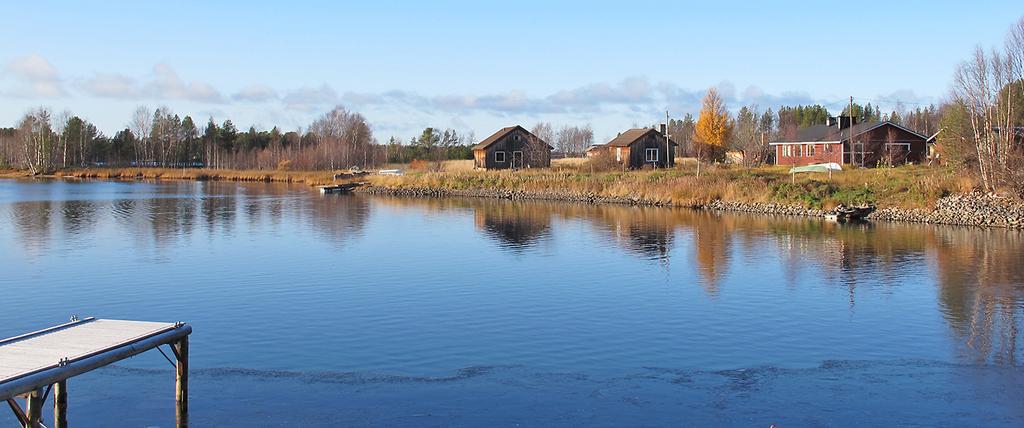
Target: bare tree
x=36 y=140
x=60 y=122
x=544 y=131
x=573 y=141
x=749 y=137
x=986 y=86
x=342 y=137
x=141 y=125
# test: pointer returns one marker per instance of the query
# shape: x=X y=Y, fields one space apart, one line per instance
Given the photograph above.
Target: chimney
x=664 y=130
x=832 y=121
x=847 y=121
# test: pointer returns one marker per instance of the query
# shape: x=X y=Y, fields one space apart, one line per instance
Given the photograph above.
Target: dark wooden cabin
x=637 y=148
x=846 y=142
x=512 y=148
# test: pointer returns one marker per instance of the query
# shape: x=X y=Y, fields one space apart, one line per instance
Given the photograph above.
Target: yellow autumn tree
x=714 y=128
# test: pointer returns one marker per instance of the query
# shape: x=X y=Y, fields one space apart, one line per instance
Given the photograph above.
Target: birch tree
x=714 y=128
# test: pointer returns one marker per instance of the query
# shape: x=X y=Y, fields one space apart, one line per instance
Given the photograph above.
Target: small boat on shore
x=844 y=213
x=338 y=188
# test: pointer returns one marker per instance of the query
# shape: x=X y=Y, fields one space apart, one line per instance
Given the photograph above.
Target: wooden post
x=33 y=408
x=20 y=414
x=181 y=384
x=60 y=404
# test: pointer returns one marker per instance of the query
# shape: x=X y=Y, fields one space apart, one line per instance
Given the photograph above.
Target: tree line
x=42 y=142
x=981 y=123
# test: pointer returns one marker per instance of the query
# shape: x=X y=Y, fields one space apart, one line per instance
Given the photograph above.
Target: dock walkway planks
x=33 y=361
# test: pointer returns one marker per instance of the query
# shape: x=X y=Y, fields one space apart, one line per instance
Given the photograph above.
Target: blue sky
x=477 y=66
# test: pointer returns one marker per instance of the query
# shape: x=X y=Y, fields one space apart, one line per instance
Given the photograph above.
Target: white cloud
x=36 y=76
x=310 y=98
x=111 y=86
x=255 y=93
x=167 y=85
x=164 y=84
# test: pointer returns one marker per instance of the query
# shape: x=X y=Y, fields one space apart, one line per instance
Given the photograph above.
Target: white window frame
x=499 y=152
x=647 y=155
x=809 y=150
x=618 y=154
x=522 y=159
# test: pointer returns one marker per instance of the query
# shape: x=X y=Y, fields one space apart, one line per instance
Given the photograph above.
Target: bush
x=600 y=162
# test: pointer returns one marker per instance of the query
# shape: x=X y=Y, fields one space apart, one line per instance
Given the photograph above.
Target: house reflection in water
x=977 y=273
x=516 y=227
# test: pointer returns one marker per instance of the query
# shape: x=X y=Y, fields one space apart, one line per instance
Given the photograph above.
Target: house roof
x=501 y=134
x=825 y=133
x=631 y=136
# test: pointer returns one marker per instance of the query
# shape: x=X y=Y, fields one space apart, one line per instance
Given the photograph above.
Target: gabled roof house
x=512 y=147
x=845 y=142
x=640 y=147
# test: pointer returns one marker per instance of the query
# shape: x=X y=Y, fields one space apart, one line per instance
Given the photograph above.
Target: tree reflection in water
x=978 y=273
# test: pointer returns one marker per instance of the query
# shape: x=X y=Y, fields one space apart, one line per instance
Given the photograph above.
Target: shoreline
x=960 y=209
x=971 y=209
x=312 y=178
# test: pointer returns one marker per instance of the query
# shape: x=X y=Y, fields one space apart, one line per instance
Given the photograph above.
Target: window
x=517 y=159
x=787 y=150
x=828 y=148
x=618 y=154
x=499 y=157
x=651 y=155
x=810 y=150
x=798 y=150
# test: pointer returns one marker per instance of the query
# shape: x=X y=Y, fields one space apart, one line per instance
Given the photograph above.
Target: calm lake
x=352 y=310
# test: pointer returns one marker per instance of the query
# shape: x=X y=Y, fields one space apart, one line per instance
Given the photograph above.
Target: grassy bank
x=308 y=177
x=904 y=187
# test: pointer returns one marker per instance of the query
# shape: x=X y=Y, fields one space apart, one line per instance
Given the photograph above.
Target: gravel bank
x=971 y=209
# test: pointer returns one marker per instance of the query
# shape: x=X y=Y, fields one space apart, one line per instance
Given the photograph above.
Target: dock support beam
x=181 y=385
x=34 y=408
x=60 y=404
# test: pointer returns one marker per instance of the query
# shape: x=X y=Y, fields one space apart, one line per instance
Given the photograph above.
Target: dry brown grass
x=568 y=162
x=308 y=177
x=457 y=165
x=13 y=173
x=906 y=187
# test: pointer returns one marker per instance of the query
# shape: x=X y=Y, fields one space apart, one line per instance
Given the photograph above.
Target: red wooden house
x=861 y=144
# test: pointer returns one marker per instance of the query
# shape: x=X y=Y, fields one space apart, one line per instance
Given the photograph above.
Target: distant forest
x=43 y=141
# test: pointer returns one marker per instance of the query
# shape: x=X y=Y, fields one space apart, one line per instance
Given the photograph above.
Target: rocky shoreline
x=969 y=209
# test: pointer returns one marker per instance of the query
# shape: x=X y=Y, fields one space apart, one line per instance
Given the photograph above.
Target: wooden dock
x=34 y=363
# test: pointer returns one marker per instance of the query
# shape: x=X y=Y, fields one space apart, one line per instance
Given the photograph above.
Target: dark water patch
x=312 y=377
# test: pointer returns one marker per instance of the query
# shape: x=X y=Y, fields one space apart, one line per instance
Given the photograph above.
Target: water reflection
x=516 y=227
x=982 y=281
x=978 y=273
x=167 y=214
x=975 y=275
